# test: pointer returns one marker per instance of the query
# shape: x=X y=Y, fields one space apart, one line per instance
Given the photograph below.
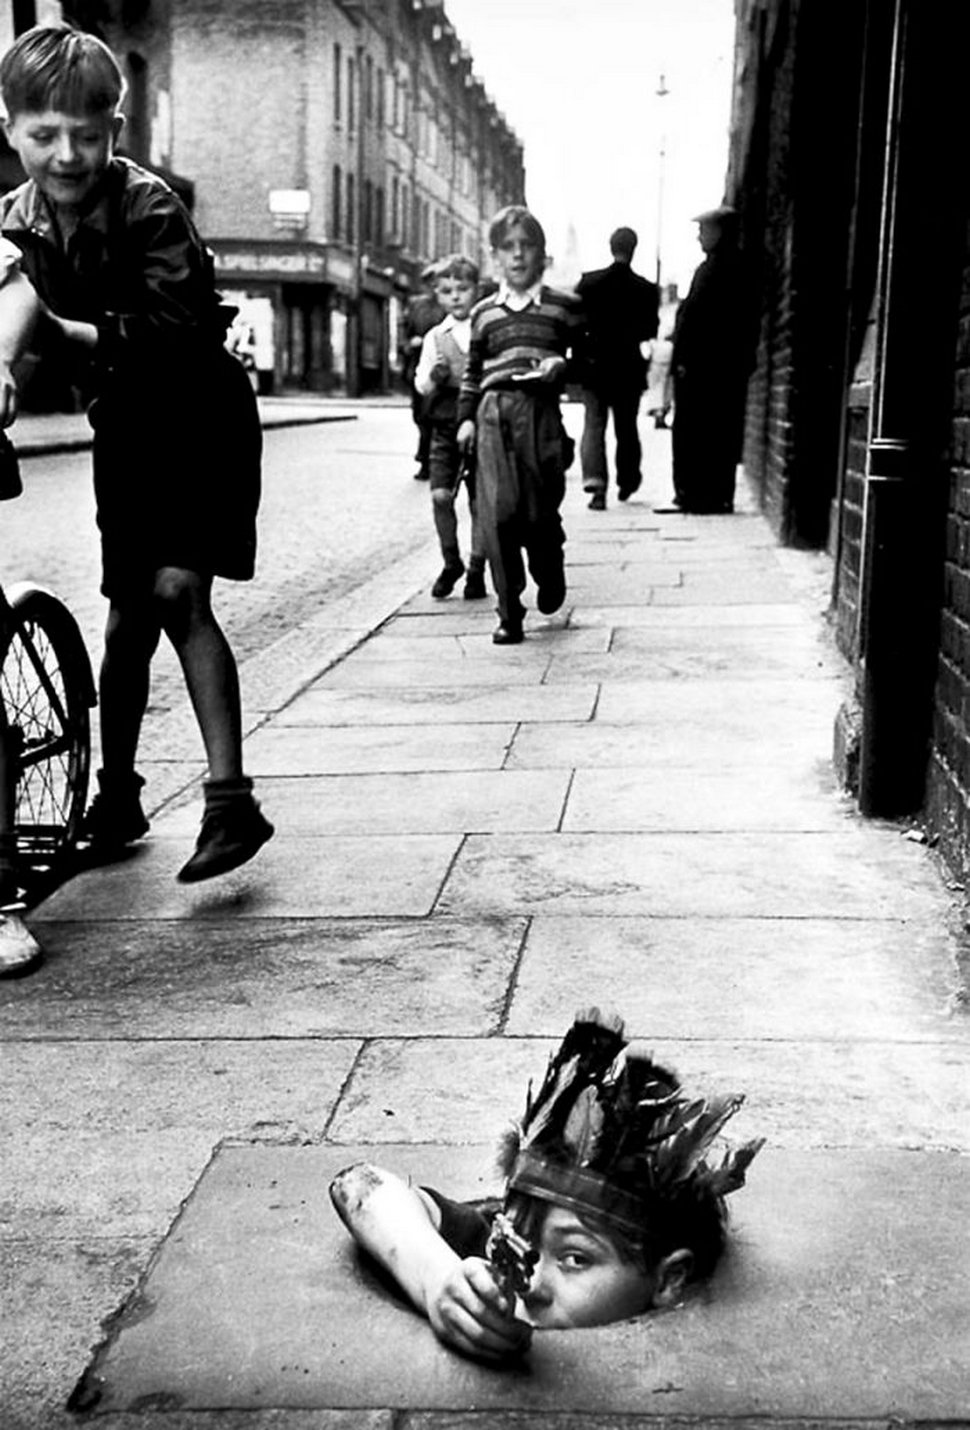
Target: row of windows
x=410 y=221
x=387 y=100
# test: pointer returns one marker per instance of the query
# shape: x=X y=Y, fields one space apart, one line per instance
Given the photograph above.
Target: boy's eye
x=575 y=1260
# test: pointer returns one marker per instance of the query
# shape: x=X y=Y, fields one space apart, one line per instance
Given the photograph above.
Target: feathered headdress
x=612 y=1133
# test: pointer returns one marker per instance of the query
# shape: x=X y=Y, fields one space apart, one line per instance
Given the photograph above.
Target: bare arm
x=19 y=309
x=397 y=1224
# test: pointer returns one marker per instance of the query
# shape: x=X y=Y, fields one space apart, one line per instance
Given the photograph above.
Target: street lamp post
x=662 y=92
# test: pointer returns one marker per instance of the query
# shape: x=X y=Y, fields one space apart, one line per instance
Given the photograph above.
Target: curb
x=54 y=446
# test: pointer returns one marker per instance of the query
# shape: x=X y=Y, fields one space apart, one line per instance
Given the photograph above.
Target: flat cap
x=714 y=215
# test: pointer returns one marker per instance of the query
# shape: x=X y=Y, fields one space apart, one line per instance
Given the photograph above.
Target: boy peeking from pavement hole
x=614 y=1202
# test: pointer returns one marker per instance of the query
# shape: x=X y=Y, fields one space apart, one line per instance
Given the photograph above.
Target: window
x=405 y=215
x=379 y=217
x=381 y=97
x=351 y=209
x=369 y=89
x=351 y=99
x=367 y=231
x=395 y=206
x=335 y=196
x=337 y=63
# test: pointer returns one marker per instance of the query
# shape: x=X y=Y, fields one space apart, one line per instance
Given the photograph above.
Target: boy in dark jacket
x=129 y=294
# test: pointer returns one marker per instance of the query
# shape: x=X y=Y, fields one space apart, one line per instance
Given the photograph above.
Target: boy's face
x=456 y=296
x=519 y=258
x=580 y=1278
x=64 y=154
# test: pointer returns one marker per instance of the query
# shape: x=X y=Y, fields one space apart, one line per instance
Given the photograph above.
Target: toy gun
x=511 y=1257
x=466 y=471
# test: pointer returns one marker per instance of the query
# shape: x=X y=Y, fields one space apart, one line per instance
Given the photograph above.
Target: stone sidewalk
x=634 y=808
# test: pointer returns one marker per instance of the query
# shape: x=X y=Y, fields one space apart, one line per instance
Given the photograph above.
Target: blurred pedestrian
x=423 y=312
x=438 y=379
x=620 y=308
x=509 y=410
x=129 y=295
x=713 y=353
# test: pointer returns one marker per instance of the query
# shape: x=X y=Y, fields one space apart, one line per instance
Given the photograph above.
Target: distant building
x=330 y=149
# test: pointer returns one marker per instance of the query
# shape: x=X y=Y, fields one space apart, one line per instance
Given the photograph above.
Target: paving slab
x=784 y=797
x=293 y=877
x=762 y=660
x=55 y=1294
x=142 y=1121
x=863 y=874
x=478 y=622
x=368 y=671
x=266 y=978
x=763 y=710
x=258 y=1299
x=440 y=803
x=679 y=618
x=811 y=1092
x=778 y=979
x=441 y=704
x=654 y=735
x=462 y=651
x=278 y=749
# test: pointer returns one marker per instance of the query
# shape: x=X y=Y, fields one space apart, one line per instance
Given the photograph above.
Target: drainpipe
x=892 y=631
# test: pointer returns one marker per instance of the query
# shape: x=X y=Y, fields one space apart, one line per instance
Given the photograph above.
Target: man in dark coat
x=621 y=311
x=422 y=314
x=714 y=347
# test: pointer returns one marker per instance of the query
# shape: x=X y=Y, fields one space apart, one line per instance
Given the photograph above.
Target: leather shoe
x=597 y=501
x=505 y=633
x=228 y=837
x=551 y=594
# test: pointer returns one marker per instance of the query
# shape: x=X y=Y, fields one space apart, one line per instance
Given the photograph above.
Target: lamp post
x=662 y=92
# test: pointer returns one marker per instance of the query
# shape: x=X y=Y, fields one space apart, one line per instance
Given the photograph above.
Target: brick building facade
x=331 y=149
x=845 y=165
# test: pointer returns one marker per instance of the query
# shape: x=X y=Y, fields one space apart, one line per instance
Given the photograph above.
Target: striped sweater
x=504 y=342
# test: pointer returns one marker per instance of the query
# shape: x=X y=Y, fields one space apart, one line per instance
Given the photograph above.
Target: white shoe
x=19 y=950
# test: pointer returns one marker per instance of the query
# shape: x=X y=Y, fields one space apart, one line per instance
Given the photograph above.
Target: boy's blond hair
x=516 y=216
x=457 y=266
x=58 y=67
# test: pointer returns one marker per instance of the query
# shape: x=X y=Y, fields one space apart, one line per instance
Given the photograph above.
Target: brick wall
x=948 y=784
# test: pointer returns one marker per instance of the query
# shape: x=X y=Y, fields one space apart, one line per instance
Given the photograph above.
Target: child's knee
x=443 y=497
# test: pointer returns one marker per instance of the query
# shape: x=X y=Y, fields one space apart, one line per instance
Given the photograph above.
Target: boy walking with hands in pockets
x=127 y=295
x=438 y=379
x=508 y=408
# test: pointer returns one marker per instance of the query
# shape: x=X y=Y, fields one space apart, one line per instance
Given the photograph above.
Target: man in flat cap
x=715 y=339
x=620 y=309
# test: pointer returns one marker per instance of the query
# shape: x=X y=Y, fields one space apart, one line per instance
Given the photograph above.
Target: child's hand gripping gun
x=512 y=1259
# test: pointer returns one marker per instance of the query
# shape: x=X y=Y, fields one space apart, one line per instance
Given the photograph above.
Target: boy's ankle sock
x=233 y=829
x=223 y=794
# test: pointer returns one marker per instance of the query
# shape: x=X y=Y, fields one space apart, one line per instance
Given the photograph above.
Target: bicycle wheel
x=47 y=691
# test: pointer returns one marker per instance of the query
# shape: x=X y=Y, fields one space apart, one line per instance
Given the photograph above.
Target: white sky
x=577 y=81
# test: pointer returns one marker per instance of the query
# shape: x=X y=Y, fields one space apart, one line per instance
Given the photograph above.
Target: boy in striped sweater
x=508 y=408
x=438 y=379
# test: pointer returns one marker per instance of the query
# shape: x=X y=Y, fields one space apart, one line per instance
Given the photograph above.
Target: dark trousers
x=520 y=486
x=624 y=403
x=707 y=440
x=419 y=411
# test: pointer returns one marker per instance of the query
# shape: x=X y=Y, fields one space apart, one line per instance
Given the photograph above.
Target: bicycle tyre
x=47 y=690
